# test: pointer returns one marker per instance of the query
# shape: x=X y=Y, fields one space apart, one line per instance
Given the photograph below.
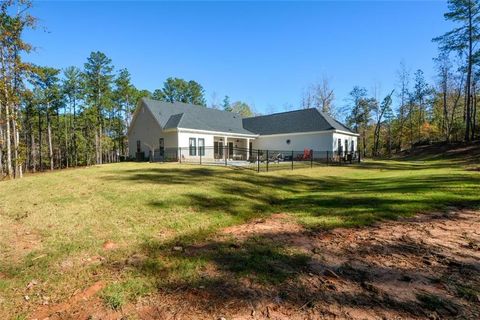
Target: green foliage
x=359 y=108
x=226 y=104
x=461 y=12
x=241 y=108
x=176 y=89
x=98 y=78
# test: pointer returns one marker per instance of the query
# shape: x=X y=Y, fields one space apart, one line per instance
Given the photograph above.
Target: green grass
x=53 y=223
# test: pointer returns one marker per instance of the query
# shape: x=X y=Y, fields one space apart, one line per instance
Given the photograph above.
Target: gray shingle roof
x=183 y=115
x=188 y=116
x=306 y=120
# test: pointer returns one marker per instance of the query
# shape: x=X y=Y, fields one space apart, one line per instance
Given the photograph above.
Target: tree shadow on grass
x=270 y=269
x=346 y=200
x=246 y=272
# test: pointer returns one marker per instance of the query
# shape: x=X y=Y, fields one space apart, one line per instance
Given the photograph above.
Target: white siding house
x=181 y=131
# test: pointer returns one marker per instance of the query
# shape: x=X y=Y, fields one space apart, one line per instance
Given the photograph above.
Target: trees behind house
x=319 y=95
x=462 y=40
x=443 y=111
x=51 y=118
x=176 y=89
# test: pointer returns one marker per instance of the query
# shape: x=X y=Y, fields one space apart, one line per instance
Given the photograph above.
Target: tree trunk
x=2 y=139
x=364 y=143
x=469 y=74
x=474 y=112
x=100 y=149
x=40 y=163
x=49 y=137
x=16 y=144
x=445 y=111
x=74 y=129
x=9 y=142
x=33 y=151
x=67 y=154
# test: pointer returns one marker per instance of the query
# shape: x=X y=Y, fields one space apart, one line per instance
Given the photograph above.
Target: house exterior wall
x=184 y=140
x=146 y=130
x=345 y=137
x=240 y=144
x=319 y=141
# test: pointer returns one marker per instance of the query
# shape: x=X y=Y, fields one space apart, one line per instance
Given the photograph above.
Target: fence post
x=327 y=159
x=292 y=159
x=358 y=156
x=180 y=154
x=258 y=160
x=311 y=159
x=267 y=160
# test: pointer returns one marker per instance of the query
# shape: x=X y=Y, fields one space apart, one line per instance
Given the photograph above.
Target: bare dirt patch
x=427 y=267
x=72 y=307
x=18 y=241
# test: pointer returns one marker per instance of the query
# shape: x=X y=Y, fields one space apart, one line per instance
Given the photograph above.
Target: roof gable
x=182 y=115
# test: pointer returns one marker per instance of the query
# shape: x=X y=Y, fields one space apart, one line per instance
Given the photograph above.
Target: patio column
x=248 y=149
x=225 y=151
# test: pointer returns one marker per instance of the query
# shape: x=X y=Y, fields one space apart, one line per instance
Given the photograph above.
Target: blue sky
x=263 y=53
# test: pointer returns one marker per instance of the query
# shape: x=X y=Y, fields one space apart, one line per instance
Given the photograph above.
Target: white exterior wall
x=319 y=141
x=350 y=138
x=183 y=143
x=148 y=131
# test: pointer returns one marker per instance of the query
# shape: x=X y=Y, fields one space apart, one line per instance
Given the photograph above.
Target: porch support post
x=226 y=148
x=248 y=149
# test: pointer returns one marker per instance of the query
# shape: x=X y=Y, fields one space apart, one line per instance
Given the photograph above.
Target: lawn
x=126 y=224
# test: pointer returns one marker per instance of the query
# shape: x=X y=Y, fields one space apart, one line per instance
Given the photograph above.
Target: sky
x=263 y=53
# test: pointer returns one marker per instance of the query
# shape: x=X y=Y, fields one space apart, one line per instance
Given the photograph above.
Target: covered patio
x=232 y=148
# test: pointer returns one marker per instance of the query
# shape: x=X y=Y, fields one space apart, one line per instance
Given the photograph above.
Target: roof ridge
x=329 y=118
x=284 y=112
x=191 y=105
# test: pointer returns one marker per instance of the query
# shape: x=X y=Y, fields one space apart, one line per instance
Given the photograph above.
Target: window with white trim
x=192 y=146
x=201 y=146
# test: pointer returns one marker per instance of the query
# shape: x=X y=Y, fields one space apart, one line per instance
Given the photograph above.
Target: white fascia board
x=296 y=133
x=219 y=133
x=347 y=133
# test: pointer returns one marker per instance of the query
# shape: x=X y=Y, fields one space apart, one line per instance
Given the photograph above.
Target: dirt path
x=426 y=267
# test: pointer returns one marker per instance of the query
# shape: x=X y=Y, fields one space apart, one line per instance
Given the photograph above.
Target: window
x=340 y=148
x=230 y=149
x=353 y=146
x=201 y=146
x=346 y=145
x=161 y=146
x=192 y=144
x=138 y=146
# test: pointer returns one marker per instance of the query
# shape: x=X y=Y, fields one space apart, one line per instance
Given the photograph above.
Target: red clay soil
x=426 y=267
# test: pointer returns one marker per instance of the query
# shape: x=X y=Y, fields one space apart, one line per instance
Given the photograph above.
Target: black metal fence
x=253 y=159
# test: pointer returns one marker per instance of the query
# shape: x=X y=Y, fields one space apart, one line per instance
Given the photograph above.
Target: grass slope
x=54 y=225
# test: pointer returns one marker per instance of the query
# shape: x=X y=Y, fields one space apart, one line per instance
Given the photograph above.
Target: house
x=173 y=130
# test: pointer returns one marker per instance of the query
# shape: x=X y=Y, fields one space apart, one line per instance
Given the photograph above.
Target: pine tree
x=462 y=39
x=98 y=78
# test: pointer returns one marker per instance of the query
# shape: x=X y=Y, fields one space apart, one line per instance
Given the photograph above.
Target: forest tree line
x=52 y=118
x=442 y=111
